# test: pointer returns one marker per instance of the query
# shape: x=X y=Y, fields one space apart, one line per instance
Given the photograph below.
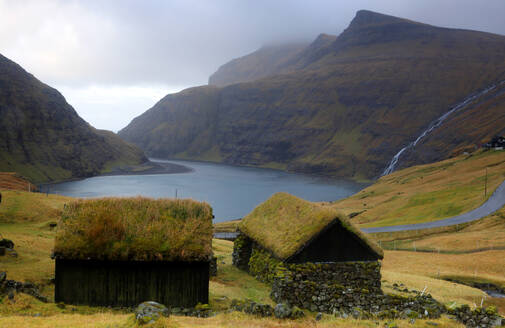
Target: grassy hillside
x=427 y=192
x=34 y=242
x=421 y=193
x=13 y=181
x=482 y=235
x=263 y=62
x=341 y=107
x=43 y=138
x=479 y=123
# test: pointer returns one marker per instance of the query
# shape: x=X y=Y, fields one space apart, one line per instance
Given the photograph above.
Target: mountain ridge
x=43 y=138
x=256 y=65
x=344 y=113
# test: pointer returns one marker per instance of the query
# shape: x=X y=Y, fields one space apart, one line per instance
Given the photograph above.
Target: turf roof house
x=124 y=251
x=287 y=241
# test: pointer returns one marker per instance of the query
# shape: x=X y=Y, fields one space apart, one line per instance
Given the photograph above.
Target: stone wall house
x=311 y=255
x=124 y=251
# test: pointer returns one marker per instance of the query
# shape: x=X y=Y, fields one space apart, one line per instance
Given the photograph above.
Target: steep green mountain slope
x=263 y=62
x=43 y=138
x=465 y=130
x=340 y=108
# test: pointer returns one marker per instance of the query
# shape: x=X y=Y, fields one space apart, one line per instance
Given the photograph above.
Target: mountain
x=263 y=62
x=463 y=131
x=44 y=139
x=340 y=107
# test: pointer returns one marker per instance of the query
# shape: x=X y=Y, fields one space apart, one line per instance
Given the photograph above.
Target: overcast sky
x=112 y=60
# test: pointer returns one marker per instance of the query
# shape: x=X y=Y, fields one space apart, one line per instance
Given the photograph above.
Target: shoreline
x=366 y=182
x=149 y=168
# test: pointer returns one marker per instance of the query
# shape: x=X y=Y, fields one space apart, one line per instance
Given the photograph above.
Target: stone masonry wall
x=242 y=249
x=327 y=287
x=263 y=266
x=345 y=289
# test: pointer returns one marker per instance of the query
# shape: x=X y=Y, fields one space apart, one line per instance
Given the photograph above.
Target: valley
x=356 y=179
x=472 y=252
x=343 y=106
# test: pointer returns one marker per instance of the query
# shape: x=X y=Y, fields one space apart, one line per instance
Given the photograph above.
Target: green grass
x=428 y=192
x=135 y=229
x=232 y=283
x=34 y=243
x=20 y=206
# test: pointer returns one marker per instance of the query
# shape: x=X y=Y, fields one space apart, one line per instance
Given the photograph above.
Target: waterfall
x=435 y=124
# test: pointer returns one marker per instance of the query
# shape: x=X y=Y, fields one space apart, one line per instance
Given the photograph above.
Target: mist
x=112 y=60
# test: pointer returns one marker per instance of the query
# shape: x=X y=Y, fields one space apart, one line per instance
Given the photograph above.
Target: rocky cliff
x=342 y=106
x=43 y=138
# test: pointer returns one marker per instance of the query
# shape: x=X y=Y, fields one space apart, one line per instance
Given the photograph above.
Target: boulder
x=282 y=311
x=6 y=243
x=149 y=312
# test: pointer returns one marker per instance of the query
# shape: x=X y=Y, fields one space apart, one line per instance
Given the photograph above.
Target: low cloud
x=74 y=45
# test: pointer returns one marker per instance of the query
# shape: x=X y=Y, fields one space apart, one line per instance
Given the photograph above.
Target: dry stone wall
x=242 y=249
x=345 y=289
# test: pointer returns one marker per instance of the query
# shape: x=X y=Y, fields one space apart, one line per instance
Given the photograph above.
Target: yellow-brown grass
x=13 y=181
x=488 y=233
x=421 y=267
x=25 y=219
x=34 y=242
x=135 y=229
x=284 y=223
x=227 y=226
x=428 y=192
x=20 y=206
x=228 y=320
x=484 y=234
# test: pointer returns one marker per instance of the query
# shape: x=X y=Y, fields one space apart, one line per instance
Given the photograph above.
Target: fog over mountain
x=114 y=59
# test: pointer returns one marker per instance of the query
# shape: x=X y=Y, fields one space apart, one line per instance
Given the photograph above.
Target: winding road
x=494 y=203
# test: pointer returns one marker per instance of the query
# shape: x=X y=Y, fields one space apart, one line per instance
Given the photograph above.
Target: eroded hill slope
x=44 y=139
x=339 y=107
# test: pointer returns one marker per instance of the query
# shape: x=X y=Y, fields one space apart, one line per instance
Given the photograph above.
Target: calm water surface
x=231 y=191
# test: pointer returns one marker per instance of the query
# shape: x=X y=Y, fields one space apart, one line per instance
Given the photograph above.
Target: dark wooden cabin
x=160 y=253
x=129 y=283
x=297 y=231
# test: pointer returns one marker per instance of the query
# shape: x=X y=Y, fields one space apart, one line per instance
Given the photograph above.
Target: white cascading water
x=435 y=124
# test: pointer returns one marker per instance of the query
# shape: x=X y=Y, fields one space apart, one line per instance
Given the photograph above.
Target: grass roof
x=135 y=229
x=285 y=223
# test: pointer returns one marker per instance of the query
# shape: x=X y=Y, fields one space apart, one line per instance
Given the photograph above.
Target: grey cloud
x=183 y=42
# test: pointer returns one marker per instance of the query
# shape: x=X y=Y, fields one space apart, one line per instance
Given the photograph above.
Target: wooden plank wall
x=129 y=283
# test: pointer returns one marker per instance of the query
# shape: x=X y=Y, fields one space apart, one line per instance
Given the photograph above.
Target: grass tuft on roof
x=284 y=223
x=137 y=228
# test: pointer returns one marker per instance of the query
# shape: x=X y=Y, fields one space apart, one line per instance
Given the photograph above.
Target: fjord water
x=232 y=191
